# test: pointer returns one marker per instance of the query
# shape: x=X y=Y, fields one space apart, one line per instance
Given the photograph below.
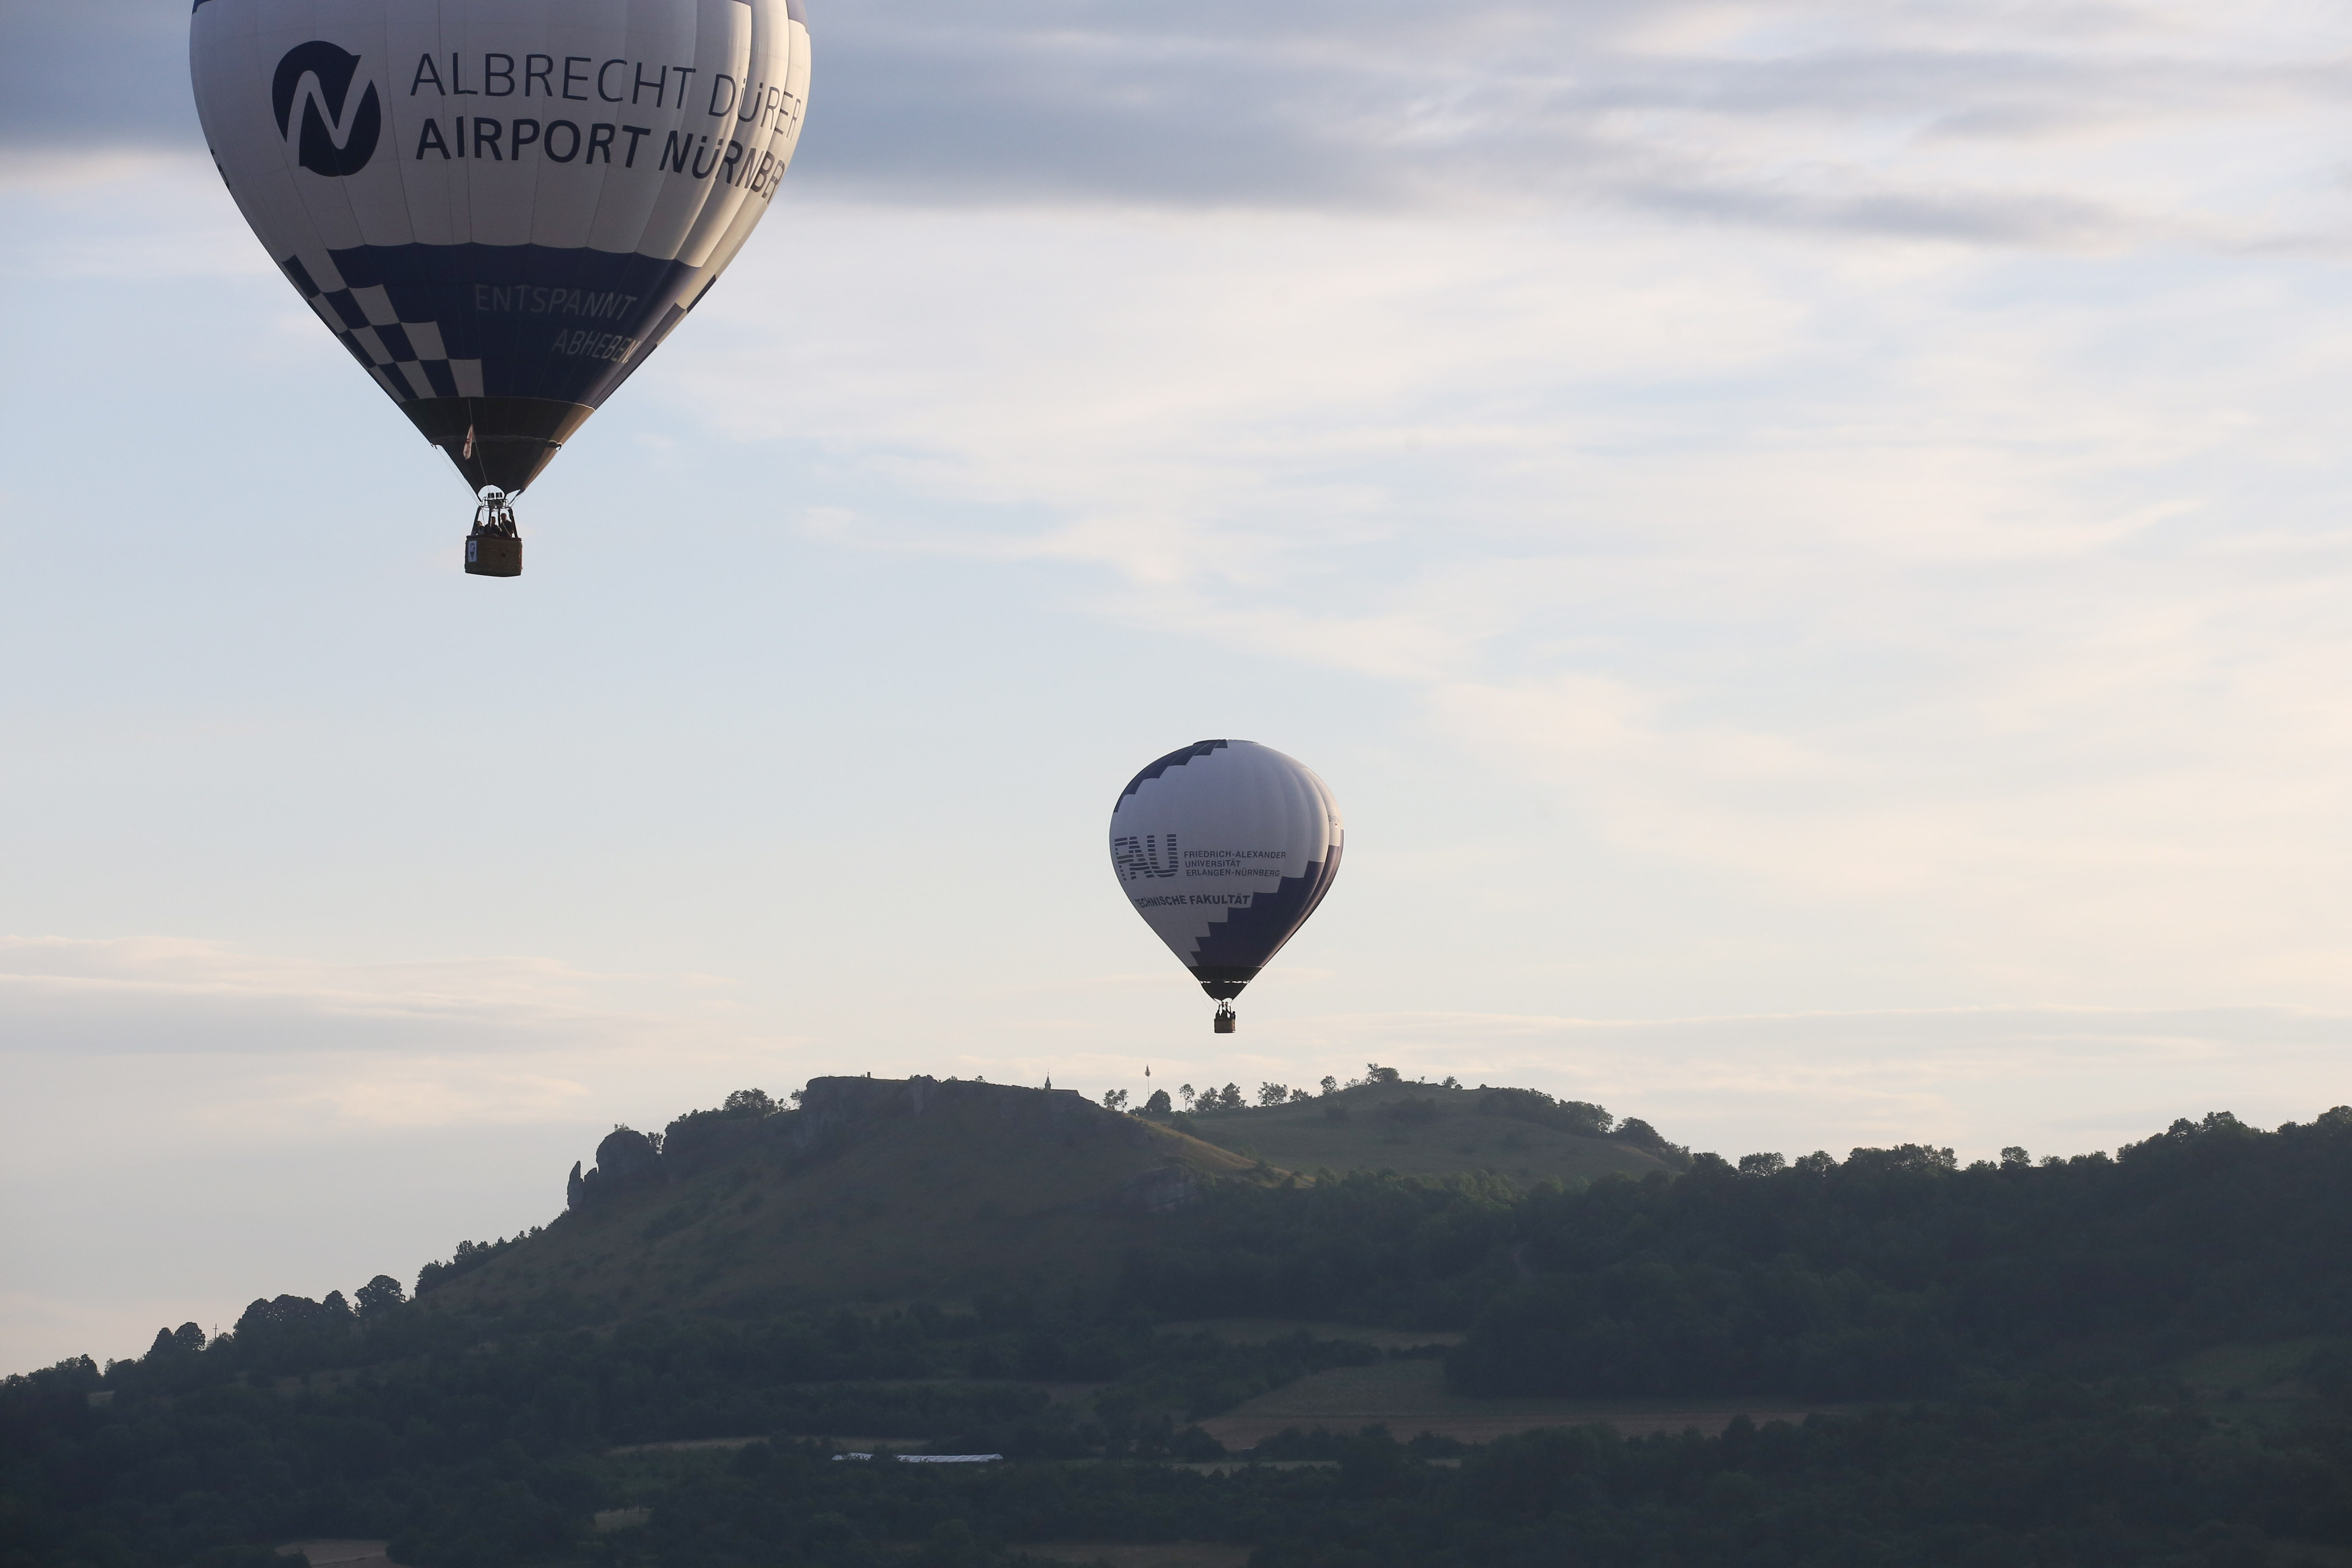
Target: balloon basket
x=494 y=549
x=1225 y=1022
x=492 y=555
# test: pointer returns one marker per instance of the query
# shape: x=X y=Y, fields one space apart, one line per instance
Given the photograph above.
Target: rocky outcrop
x=626 y=1161
x=696 y=1142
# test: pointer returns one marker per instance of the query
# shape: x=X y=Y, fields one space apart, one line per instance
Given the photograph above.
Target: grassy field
x=1142 y=1555
x=958 y=1200
x=1371 y=1137
x=605 y=1521
x=2268 y=1370
x=2309 y=1554
x=685 y=1445
x=641 y=1472
x=338 y=1554
x=1410 y=1397
x=1259 y=1331
x=2255 y=1385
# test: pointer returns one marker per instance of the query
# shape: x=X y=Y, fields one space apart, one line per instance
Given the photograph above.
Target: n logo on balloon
x=319 y=75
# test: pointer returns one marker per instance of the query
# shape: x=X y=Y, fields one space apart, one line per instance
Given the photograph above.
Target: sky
x=1808 y=539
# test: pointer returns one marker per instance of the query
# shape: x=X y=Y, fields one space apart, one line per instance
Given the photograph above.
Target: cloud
x=2037 y=126
x=1791 y=113
x=157 y=995
x=96 y=74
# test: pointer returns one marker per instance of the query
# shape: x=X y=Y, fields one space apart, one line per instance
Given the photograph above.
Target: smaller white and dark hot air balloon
x=1224 y=849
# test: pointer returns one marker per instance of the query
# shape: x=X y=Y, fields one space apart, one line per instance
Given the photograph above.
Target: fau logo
x=1137 y=858
x=319 y=75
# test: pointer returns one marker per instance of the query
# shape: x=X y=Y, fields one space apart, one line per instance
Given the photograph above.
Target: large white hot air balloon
x=501 y=206
x=1224 y=849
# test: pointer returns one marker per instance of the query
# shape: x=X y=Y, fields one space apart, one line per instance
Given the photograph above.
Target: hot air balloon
x=501 y=206
x=1224 y=849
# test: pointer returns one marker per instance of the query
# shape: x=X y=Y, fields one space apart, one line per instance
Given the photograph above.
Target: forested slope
x=2020 y=1327
x=1892 y=1273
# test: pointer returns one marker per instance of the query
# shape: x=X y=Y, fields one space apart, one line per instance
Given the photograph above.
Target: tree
x=1230 y=1097
x=1301 y=1097
x=1577 y=1116
x=379 y=1296
x=1185 y=1089
x=1640 y=1135
x=1372 y=1464
x=1330 y=1085
x=1115 y=1099
x=1157 y=1105
x=1273 y=1093
x=749 y=1102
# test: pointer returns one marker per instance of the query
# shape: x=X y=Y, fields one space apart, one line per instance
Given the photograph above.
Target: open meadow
x=1415 y=1130
x=1410 y=1397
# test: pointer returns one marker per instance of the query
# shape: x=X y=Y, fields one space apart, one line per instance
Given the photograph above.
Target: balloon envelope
x=501 y=206
x=1224 y=849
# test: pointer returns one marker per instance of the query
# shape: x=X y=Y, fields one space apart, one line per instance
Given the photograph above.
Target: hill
x=1424 y=1130
x=890 y=1189
x=873 y=1189
x=2138 y=1358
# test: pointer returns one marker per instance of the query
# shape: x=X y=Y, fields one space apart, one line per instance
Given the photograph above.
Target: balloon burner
x=494 y=549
